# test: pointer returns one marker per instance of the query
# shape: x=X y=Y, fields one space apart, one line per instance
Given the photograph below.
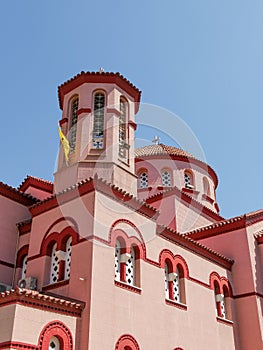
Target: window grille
x=117 y=261
x=122 y=129
x=143 y=180
x=73 y=124
x=130 y=269
x=176 y=287
x=166 y=178
x=24 y=265
x=54 y=344
x=223 y=307
x=68 y=258
x=98 y=126
x=54 y=271
x=166 y=273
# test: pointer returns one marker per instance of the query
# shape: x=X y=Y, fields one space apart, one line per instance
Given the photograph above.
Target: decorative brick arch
x=59 y=330
x=21 y=254
x=175 y=260
x=60 y=239
x=116 y=232
x=127 y=342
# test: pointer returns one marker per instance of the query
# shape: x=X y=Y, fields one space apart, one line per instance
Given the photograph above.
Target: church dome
x=160 y=167
x=161 y=150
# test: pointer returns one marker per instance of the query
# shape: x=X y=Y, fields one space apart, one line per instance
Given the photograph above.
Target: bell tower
x=98 y=119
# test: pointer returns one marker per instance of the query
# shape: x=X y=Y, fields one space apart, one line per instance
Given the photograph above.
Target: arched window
x=98 y=121
x=73 y=123
x=219 y=300
x=117 y=261
x=143 y=179
x=174 y=282
x=123 y=146
x=227 y=303
x=68 y=258
x=55 y=336
x=188 y=179
x=24 y=265
x=166 y=178
x=130 y=268
x=206 y=186
x=168 y=292
x=54 y=344
x=54 y=268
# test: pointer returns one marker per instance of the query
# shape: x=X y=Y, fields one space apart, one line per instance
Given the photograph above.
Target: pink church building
x=126 y=249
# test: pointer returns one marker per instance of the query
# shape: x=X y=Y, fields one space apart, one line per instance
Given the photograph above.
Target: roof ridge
x=17 y=191
x=184 y=194
x=195 y=243
x=215 y=225
x=81 y=183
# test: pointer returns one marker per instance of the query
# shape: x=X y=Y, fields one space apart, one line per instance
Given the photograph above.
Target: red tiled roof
x=36 y=182
x=36 y=299
x=100 y=185
x=17 y=195
x=161 y=149
x=194 y=246
x=227 y=225
x=184 y=196
x=99 y=77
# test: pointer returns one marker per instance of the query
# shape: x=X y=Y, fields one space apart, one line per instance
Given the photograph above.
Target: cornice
x=187 y=198
x=102 y=78
x=194 y=246
x=17 y=195
x=38 y=300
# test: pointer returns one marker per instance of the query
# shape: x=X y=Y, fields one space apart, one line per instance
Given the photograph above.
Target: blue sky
x=201 y=60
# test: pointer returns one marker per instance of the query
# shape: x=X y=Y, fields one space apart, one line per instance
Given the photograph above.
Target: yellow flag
x=64 y=142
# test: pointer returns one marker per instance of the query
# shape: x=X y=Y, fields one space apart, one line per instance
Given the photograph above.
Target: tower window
x=122 y=128
x=98 y=124
x=143 y=180
x=166 y=178
x=73 y=123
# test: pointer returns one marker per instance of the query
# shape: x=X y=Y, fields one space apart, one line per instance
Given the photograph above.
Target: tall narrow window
x=143 y=180
x=98 y=123
x=166 y=178
x=68 y=258
x=227 y=303
x=176 y=287
x=54 y=268
x=117 y=261
x=219 y=300
x=73 y=123
x=206 y=186
x=188 y=180
x=123 y=129
x=130 y=268
x=24 y=265
x=166 y=281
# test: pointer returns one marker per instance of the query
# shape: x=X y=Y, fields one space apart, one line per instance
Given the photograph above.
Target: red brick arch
x=126 y=342
x=59 y=330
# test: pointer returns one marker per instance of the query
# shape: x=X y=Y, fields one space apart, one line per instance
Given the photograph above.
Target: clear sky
x=202 y=60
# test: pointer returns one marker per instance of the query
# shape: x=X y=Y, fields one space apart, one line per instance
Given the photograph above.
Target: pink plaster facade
x=107 y=259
